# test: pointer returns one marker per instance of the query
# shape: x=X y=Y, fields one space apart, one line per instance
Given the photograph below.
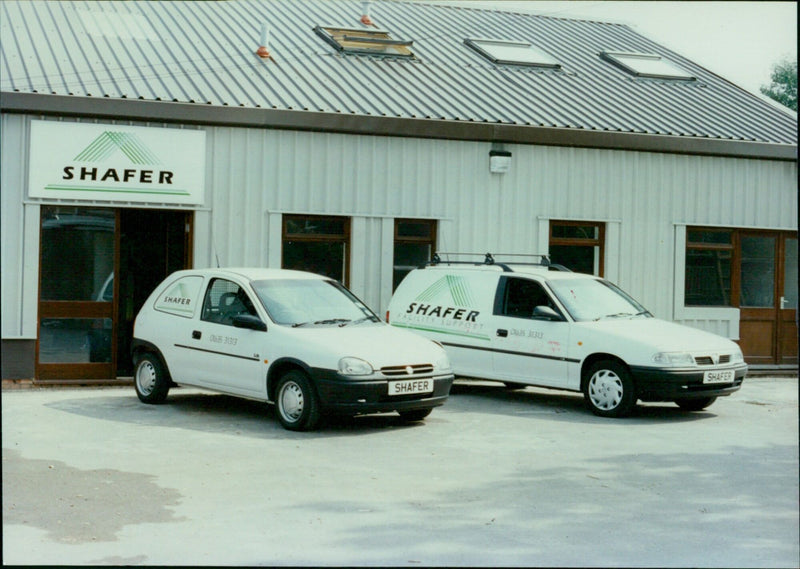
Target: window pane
x=415 y=229
x=714 y=237
x=315 y=226
x=708 y=278
x=409 y=256
x=583 y=259
x=758 y=272
x=323 y=258
x=77 y=254
x=75 y=340
x=576 y=231
x=790 y=275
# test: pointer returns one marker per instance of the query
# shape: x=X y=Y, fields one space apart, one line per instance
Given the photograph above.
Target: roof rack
x=488 y=259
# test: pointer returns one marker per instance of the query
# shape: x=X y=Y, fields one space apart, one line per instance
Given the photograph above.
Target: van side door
x=529 y=346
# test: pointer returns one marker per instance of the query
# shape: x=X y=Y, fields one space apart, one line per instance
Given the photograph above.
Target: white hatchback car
x=530 y=325
x=299 y=340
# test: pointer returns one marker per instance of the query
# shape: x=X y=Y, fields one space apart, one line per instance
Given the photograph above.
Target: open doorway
x=153 y=244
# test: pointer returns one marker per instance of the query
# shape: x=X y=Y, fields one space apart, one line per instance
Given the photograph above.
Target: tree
x=784 y=84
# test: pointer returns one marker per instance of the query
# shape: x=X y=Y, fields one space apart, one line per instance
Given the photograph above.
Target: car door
x=225 y=357
x=525 y=347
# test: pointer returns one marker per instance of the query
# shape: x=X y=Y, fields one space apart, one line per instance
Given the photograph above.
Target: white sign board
x=103 y=162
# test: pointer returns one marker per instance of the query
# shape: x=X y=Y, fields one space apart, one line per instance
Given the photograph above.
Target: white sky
x=741 y=41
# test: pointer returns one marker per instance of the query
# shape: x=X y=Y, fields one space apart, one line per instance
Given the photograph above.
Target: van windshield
x=594 y=299
x=306 y=302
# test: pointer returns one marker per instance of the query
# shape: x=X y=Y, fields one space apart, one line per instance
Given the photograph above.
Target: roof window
x=512 y=53
x=647 y=65
x=365 y=42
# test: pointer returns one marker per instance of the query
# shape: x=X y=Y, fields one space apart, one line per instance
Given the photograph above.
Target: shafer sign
x=103 y=162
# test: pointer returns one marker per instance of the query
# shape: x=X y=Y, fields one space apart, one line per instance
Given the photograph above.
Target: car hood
x=377 y=343
x=661 y=335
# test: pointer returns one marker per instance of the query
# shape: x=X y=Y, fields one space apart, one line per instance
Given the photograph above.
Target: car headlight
x=737 y=357
x=442 y=363
x=674 y=359
x=354 y=366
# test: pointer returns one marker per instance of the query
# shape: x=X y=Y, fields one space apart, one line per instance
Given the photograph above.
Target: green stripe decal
x=66 y=188
x=441 y=331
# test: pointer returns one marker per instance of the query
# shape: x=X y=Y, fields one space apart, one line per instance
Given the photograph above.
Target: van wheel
x=609 y=391
x=695 y=403
x=297 y=403
x=414 y=415
x=150 y=380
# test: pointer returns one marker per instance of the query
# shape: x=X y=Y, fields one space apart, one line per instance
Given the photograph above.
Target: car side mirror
x=547 y=313
x=250 y=322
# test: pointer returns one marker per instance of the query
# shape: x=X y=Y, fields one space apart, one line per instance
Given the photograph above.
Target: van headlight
x=354 y=366
x=674 y=359
x=737 y=357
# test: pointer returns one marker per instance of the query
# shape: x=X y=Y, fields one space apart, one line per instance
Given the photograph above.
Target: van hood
x=661 y=335
x=377 y=343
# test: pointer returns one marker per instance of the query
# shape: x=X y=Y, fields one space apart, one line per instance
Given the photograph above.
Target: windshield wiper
x=617 y=315
x=332 y=321
x=360 y=320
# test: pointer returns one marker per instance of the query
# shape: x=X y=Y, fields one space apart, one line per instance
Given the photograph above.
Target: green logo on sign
x=109 y=142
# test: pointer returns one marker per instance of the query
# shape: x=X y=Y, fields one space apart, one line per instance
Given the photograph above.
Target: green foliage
x=784 y=84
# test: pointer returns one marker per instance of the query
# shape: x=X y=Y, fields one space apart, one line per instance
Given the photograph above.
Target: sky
x=740 y=41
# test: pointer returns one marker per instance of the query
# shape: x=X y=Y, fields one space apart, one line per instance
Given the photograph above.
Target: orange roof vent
x=262 y=50
x=365 y=18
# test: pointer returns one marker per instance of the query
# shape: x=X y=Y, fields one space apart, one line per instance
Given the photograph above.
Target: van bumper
x=343 y=395
x=664 y=384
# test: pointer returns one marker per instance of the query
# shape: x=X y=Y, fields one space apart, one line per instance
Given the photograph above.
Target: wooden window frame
x=599 y=241
x=320 y=238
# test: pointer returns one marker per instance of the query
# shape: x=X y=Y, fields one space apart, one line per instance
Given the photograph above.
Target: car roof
x=254 y=273
x=541 y=271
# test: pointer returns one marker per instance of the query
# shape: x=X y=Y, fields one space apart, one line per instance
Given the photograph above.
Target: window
x=414 y=245
x=317 y=244
x=512 y=53
x=224 y=301
x=520 y=297
x=365 y=42
x=578 y=245
x=647 y=65
x=709 y=267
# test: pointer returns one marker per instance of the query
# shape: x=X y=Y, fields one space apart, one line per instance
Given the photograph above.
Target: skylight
x=365 y=42
x=647 y=65
x=512 y=53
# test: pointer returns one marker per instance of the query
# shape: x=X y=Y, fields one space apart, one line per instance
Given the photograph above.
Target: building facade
x=103 y=195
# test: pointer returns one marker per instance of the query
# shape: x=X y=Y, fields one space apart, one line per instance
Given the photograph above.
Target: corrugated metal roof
x=204 y=53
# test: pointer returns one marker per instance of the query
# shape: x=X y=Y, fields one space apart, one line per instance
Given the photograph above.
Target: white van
x=533 y=325
x=299 y=340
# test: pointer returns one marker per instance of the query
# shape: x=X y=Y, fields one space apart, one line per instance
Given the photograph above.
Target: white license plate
x=724 y=376
x=410 y=386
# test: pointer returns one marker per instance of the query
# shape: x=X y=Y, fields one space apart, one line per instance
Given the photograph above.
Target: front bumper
x=668 y=384
x=340 y=394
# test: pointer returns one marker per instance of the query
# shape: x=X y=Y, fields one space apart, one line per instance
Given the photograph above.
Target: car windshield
x=311 y=302
x=594 y=299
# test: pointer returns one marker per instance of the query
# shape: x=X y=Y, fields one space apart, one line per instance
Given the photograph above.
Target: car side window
x=520 y=296
x=224 y=301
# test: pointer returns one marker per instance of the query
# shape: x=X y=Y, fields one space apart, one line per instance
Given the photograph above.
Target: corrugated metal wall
x=254 y=176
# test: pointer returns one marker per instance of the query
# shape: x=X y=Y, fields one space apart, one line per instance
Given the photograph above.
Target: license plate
x=725 y=376
x=410 y=386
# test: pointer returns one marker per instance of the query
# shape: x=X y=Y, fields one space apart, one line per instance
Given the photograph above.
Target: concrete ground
x=494 y=478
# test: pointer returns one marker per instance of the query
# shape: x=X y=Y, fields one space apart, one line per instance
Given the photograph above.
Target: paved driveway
x=495 y=477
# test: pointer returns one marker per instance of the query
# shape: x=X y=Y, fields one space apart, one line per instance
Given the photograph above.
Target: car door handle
x=502 y=333
x=196 y=334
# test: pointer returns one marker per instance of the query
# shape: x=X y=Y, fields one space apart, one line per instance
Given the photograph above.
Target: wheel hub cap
x=605 y=390
x=291 y=401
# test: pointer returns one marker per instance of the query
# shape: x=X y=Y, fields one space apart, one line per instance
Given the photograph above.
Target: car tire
x=609 y=390
x=296 y=402
x=150 y=379
x=695 y=403
x=414 y=415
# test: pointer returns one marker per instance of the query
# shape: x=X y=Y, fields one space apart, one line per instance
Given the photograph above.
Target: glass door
x=787 y=319
x=76 y=293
